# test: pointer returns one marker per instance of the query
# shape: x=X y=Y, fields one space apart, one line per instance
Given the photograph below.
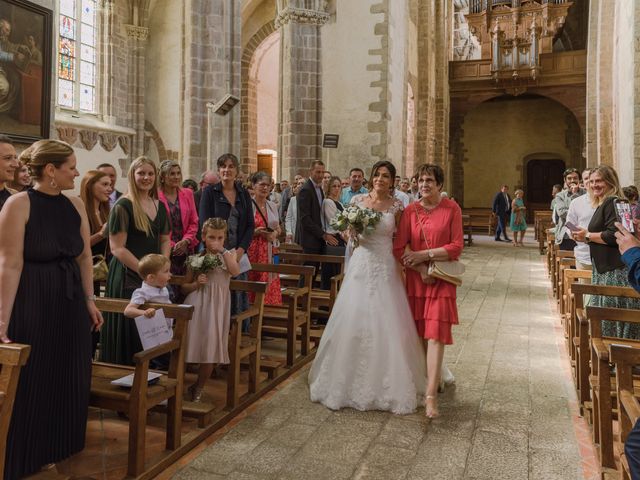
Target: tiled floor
x=511 y=415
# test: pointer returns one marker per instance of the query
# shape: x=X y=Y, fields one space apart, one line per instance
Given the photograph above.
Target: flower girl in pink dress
x=207 y=289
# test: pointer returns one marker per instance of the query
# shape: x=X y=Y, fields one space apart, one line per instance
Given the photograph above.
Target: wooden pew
x=625 y=358
x=581 y=338
x=295 y=313
x=245 y=346
x=551 y=248
x=481 y=220
x=13 y=356
x=565 y=262
x=571 y=277
x=321 y=300
x=600 y=379
x=138 y=400
x=467 y=230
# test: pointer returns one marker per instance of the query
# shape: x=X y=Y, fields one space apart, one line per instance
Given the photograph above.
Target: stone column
x=212 y=54
x=137 y=34
x=432 y=104
x=300 y=122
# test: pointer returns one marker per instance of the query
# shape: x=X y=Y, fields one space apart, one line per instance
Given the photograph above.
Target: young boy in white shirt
x=154 y=270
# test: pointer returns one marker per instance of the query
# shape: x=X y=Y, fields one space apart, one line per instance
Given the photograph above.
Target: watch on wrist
x=430 y=253
x=587 y=237
x=90 y=298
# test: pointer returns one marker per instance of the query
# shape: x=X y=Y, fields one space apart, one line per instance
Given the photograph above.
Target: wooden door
x=542 y=175
x=265 y=163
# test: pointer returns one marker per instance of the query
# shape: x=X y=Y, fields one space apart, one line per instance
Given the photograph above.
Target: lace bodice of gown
x=380 y=240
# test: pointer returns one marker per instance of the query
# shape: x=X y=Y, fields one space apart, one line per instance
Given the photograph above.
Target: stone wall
x=496 y=137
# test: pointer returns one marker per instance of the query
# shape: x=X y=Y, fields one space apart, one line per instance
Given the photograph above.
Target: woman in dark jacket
x=230 y=201
x=608 y=267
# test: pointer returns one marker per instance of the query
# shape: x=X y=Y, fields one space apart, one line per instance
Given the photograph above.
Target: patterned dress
x=258 y=253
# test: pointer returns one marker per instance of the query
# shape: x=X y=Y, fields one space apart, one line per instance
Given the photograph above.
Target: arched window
x=77 y=55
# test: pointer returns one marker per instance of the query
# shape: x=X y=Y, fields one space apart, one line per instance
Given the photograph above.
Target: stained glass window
x=77 y=55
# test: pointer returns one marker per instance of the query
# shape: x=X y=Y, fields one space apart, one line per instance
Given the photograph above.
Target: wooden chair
x=13 y=356
x=581 y=338
x=481 y=220
x=295 y=313
x=625 y=358
x=138 y=400
x=245 y=346
x=601 y=379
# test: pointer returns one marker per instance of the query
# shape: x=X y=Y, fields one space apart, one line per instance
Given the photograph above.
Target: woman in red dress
x=429 y=230
x=265 y=235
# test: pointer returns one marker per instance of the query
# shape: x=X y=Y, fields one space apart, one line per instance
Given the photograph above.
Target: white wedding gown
x=370 y=356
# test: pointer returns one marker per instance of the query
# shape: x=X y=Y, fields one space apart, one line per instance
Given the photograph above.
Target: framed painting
x=25 y=70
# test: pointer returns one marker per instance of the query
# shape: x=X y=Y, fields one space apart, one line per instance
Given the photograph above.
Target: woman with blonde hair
x=183 y=214
x=607 y=265
x=518 y=220
x=47 y=301
x=138 y=225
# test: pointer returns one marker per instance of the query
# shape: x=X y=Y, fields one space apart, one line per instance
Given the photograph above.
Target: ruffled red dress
x=433 y=305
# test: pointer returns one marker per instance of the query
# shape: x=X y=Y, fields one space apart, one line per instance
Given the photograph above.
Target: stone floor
x=511 y=415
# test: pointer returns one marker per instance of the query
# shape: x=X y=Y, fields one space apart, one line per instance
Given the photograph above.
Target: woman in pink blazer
x=183 y=215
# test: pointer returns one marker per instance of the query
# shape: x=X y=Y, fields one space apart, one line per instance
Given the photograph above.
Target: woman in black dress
x=45 y=264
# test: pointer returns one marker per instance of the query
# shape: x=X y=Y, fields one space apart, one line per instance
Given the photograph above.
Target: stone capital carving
x=67 y=134
x=108 y=140
x=88 y=138
x=136 y=32
x=125 y=143
x=313 y=12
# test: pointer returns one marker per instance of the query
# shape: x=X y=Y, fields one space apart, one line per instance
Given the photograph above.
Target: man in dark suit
x=502 y=209
x=310 y=229
x=110 y=170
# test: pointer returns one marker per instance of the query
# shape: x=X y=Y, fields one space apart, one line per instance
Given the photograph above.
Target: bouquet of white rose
x=203 y=263
x=358 y=220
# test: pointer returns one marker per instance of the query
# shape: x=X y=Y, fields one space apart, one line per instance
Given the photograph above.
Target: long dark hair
x=383 y=163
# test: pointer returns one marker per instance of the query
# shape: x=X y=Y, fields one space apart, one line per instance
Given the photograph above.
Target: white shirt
x=329 y=211
x=580 y=213
x=291 y=219
x=150 y=294
x=403 y=197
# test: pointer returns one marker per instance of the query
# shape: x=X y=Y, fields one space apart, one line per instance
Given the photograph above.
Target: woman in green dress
x=138 y=225
x=518 y=218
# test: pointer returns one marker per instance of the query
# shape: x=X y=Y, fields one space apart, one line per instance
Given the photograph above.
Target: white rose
x=352 y=216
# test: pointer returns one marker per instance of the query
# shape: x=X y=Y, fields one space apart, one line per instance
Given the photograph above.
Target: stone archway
x=249 y=102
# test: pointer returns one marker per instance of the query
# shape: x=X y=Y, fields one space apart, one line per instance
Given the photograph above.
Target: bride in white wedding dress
x=370 y=356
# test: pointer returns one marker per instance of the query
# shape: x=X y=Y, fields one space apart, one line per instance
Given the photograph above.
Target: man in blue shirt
x=356 y=177
x=629 y=246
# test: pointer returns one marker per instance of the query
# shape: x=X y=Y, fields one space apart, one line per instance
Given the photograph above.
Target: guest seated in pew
x=155 y=271
x=207 y=289
x=608 y=267
x=265 y=238
x=47 y=302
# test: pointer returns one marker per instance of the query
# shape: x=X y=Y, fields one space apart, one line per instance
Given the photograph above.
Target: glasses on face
x=429 y=181
x=262 y=185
